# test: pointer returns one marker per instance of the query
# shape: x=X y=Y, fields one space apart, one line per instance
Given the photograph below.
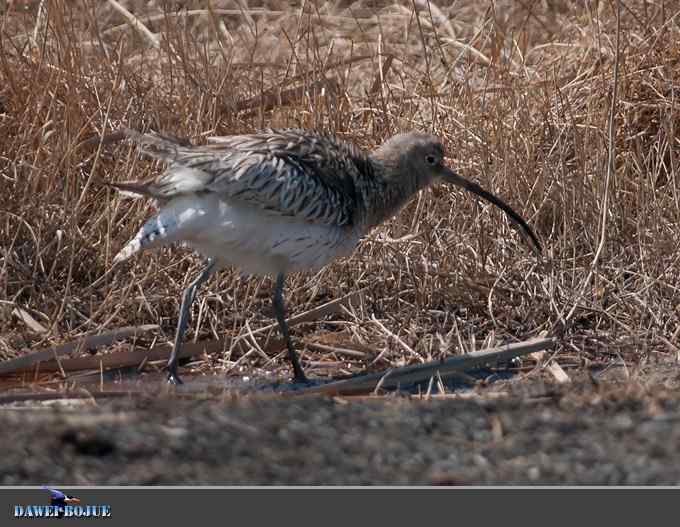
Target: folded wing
x=288 y=173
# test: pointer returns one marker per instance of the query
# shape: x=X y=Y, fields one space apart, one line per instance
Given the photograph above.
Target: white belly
x=251 y=239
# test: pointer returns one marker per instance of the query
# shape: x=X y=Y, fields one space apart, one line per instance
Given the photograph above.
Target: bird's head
x=415 y=160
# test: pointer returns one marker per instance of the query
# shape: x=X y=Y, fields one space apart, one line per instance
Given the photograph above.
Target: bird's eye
x=431 y=160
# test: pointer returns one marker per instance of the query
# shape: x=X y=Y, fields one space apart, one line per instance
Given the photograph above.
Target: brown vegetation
x=521 y=92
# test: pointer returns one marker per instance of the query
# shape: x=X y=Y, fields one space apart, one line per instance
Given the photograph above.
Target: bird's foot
x=174 y=378
x=299 y=376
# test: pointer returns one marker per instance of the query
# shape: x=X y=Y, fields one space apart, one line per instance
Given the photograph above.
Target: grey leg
x=280 y=313
x=187 y=299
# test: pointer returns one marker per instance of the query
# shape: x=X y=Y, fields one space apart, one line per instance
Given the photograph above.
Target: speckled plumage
x=288 y=173
x=281 y=200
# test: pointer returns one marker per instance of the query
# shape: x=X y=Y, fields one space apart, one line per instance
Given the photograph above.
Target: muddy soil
x=619 y=428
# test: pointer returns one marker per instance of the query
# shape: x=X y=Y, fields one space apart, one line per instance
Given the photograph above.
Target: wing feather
x=287 y=172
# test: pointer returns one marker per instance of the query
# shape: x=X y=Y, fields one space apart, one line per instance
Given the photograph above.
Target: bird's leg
x=280 y=313
x=187 y=299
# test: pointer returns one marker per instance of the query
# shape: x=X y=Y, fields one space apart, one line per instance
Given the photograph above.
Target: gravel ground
x=615 y=431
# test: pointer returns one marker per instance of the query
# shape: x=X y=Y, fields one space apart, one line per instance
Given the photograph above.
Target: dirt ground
x=614 y=427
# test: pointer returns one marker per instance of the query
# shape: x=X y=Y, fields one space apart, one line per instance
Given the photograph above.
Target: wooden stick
x=91 y=341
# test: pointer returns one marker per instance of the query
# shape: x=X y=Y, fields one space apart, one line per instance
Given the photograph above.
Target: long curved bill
x=451 y=177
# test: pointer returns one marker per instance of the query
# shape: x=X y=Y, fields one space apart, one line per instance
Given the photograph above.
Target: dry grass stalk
x=27 y=318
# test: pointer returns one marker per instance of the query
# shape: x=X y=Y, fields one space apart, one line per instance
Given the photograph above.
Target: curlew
x=281 y=201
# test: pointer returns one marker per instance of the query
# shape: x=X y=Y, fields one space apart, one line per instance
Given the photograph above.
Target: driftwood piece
x=416 y=373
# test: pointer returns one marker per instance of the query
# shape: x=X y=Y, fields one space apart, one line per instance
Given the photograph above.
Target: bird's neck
x=383 y=197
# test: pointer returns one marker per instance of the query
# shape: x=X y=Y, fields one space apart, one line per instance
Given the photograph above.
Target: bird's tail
x=162 y=147
x=158 y=146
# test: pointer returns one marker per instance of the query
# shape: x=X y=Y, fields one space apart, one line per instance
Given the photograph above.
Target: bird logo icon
x=59 y=499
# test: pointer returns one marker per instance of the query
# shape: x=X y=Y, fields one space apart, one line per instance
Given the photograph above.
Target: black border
x=355 y=505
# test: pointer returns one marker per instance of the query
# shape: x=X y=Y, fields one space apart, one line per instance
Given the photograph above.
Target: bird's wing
x=288 y=172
